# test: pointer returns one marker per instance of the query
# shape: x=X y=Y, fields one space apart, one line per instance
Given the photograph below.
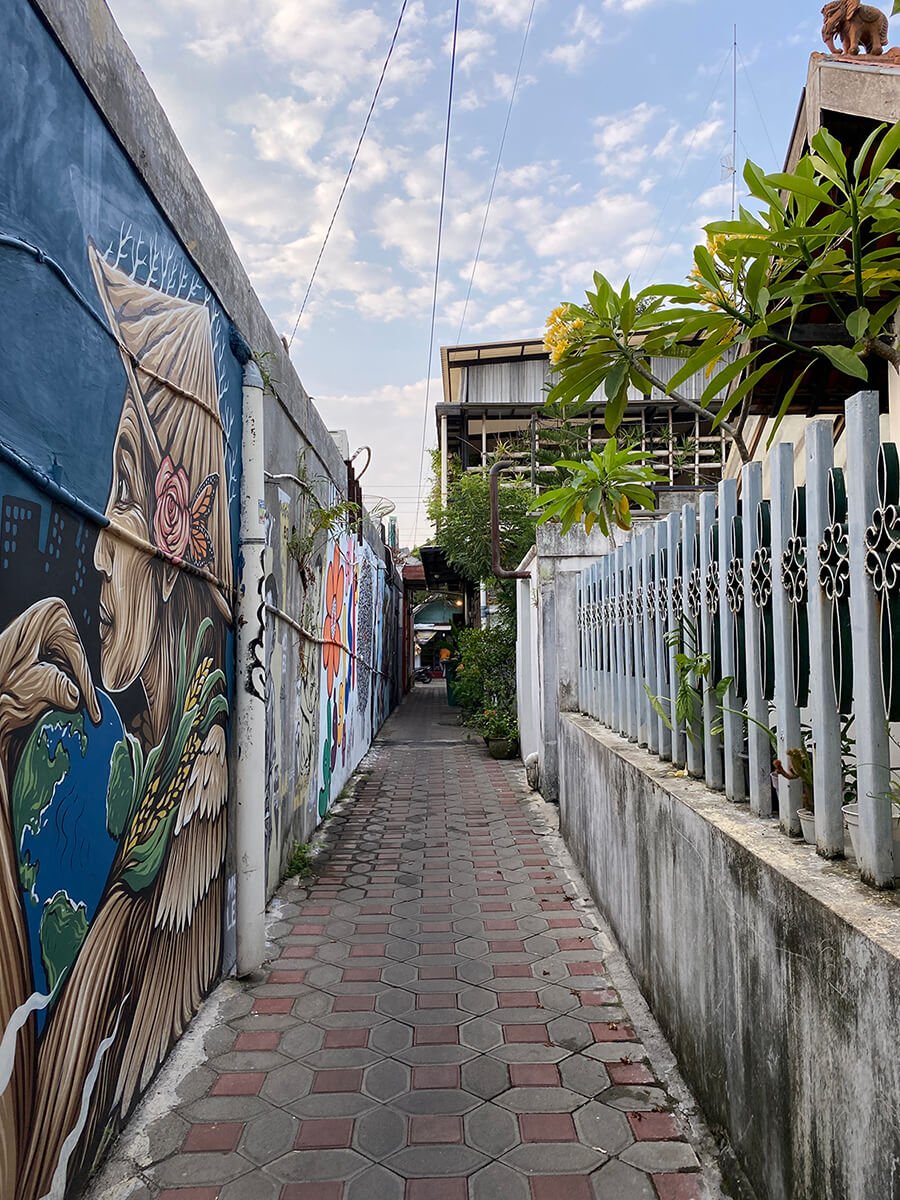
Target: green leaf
x=890 y=143
x=615 y=380
x=615 y=409
x=723 y=378
x=797 y=184
x=743 y=388
x=845 y=360
x=860 y=163
x=706 y=266
x=858 y=323
x=708 y=351
x=883 y=315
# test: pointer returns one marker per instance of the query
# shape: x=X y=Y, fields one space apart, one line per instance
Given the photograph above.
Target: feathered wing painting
x=113 y=828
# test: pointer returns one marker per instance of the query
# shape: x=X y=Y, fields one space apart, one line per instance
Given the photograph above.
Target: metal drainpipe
x=496 y=567
x=250 y=704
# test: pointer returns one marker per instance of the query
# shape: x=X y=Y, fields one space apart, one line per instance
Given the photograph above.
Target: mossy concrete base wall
x=774 y=974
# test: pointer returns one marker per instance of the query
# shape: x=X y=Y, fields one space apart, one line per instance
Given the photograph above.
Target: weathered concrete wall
x=125 y=309
x=311 y=747
x=333 y=660
x=774 y=974
x=555 y=569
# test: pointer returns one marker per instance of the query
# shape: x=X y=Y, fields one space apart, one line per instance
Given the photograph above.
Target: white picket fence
x=796 y=598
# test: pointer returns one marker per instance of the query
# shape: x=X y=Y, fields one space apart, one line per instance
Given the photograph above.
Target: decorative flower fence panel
x=756 y=642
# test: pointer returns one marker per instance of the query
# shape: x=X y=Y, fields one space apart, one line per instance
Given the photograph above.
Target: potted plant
x=501 y=732
x=851 y=823
x=800 y=767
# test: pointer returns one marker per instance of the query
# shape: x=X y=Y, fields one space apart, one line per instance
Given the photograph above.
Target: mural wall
x=333 y=675
x=119 y=479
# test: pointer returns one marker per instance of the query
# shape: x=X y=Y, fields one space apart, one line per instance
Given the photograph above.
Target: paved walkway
x=437 y=1022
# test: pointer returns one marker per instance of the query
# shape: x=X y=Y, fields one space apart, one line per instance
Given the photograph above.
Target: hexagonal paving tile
x=380 y=1132
x=435 y=1020
x=603 y=1127
x=584 y=1075
x=386 y=1079
x=492 y=1130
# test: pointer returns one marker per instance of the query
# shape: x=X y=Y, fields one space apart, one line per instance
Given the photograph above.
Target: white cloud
x=512 y=13
x=702 y=136
x=629 y=5
x=620 y=150
x=283 y=130
x=497 y=87
x=586 y=32
x=602 y=223
x=473 y=46
x=716 y=198
x=389 y=419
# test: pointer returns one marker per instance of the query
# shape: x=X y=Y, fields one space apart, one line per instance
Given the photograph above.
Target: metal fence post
x=824 y=718
x=621 y=676
x=648 y=611
x=709 y=597
x=759 y=747
x=693 y=742
x=630 y=586
x=732 y=724
x=661 y=608
x=870 y=726
x=582 y=616
x=674 y=615
x=787 y=715
x=594 y=695
x=603 y=711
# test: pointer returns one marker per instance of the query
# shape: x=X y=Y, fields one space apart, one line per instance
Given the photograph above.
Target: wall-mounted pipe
x=250 y=703
x=499 y=571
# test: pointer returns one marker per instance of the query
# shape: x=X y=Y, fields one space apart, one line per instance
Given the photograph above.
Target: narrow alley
x=436 y=1020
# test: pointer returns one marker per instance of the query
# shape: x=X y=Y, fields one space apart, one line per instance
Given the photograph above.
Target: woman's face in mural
x=130 y=593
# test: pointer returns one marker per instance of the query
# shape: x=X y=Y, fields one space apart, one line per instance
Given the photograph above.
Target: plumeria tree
x=823 y=236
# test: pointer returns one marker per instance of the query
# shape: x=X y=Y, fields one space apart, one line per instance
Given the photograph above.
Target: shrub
x=486 y=677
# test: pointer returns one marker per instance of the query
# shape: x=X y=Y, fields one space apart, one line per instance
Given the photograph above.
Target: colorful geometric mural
x=118 y=485
x=346 y=682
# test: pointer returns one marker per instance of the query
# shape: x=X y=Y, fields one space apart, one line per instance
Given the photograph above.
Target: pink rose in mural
x=334 y=608
x=172 y=510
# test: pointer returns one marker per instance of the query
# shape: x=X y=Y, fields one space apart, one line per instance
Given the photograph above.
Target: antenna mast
x=734 y=125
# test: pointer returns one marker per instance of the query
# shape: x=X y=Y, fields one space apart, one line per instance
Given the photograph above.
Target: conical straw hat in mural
x=106 y=960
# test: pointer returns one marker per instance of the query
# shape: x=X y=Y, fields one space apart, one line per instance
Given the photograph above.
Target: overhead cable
x=340 y=198
x=512 y=100
x=689 y=145
x=437 y=254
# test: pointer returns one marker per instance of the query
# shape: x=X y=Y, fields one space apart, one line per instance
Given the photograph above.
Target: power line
x=340 y=199
x=437 y=255
x=681 y=167
x=759 y=110
x=512 y=100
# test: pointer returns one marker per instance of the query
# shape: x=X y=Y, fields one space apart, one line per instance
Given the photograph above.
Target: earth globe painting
x=64 y=822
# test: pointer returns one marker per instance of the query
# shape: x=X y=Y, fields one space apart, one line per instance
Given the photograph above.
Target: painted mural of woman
x=152 y=947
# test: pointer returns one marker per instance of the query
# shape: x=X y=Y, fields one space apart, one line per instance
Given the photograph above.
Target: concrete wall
x=333 y=665
x=774 y=974
x=120 y=437
x=528 y=667
x=307 y=763
x=547 y=651
x=122 y=303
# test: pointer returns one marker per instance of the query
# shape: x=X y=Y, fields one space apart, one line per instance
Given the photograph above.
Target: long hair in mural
x=113 y=776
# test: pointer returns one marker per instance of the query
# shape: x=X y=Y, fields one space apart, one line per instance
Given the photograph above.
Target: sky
x=618 y=152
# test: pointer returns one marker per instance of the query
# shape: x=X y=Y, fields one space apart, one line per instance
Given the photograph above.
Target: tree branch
x=884 y=350
x=694 y=407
